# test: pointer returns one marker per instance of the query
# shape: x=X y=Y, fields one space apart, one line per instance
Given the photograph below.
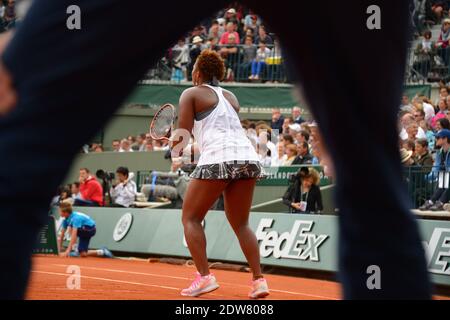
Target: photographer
x=90 y=189
x=303 y=194
x=123 y=191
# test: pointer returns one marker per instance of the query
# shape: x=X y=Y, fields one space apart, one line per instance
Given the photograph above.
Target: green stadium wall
x=297 y=241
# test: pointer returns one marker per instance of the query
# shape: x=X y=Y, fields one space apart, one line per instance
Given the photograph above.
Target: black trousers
x=71 y=81
x=441 y=195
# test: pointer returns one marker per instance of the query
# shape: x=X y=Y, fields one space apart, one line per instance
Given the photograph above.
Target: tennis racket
x=162 y=123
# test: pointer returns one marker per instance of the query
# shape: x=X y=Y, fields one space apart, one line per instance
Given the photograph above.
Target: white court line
x=183 y=278
x=117 y=281
x=110 y=280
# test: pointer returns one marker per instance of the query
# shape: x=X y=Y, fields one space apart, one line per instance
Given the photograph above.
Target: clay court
x=120 y=279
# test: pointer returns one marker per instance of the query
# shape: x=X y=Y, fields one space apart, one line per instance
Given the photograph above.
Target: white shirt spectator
x=429 y=111
x=420 y=134
x=276 y=162
x=124 y=194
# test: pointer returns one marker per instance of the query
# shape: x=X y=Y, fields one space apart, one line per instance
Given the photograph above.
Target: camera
x=303 y=171
x=105 y=175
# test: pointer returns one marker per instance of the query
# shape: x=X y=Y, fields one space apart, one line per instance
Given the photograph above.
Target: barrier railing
x=421 y=183
x=239 y=60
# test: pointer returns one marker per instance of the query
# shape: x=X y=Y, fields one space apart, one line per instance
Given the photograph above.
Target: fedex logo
x=299 y=243
x=438 y=251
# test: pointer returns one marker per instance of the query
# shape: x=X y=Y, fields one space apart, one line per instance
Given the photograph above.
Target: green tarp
x=255 y=96
x=263 y=96
x=411 y=90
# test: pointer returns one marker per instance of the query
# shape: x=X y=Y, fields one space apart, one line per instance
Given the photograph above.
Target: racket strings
x=163 y=122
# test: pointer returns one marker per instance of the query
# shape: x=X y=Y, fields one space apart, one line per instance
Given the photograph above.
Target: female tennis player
x=228 y=164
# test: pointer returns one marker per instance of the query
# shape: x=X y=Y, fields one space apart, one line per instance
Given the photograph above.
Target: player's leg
x=73 y=79
x=352 y=78
x=238 y=199
x=200 y=196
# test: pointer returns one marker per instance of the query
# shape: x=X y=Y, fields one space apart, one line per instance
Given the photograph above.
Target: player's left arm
x=185 y=119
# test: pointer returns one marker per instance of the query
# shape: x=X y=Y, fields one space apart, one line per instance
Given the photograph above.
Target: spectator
x=421 y=155
x=443 y=41
x=428 y=132
x=264 y=154
x=123 y=192
x=125 y=146
x=213 y=44
x=64 y=195
x=412 y=130
x=406 y=105
x=291 y=153
x=230 y=30
x=158 y=145
x=249 y=19
x=251 y=24
x=406 y=157
x=75 y=190
x=287 y=121
x=302 y=136
x=198 y=32
x=98 y=148
x=287 y=139
x=249 y=33
x=424 y=53
x=443 y=93
x=419 y=115
x=303 y=195
x=303 y=155
x=442 y=113
x=440 y=172
x=229 y=53
x=435 y=10
x=214 y=31
x=427 y=108
x=263 y=36
x=280 y=157
x=231 y=16
x=194 y=53
x=405 y=121
x=277 y=120
x=140 y=141
x=148 y=145
x=260 y=61
x=222 y=28
x=248 y=53
x=116 y=145
x=9 y=15
x=90 y=189
x=442 y=123
x=294 y=129
x=180 y=58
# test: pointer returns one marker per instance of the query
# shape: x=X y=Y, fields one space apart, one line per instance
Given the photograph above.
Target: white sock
x=100 y=252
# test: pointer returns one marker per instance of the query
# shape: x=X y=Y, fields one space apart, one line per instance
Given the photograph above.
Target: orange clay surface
x=107 y=279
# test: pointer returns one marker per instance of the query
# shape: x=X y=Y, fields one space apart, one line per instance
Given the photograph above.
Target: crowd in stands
x=431 y=59
x=120 y=191
x=7 y=15
x=424 y=133
x=250 y=51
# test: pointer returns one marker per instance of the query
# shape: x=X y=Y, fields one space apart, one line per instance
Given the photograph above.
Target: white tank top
x=220 y=136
